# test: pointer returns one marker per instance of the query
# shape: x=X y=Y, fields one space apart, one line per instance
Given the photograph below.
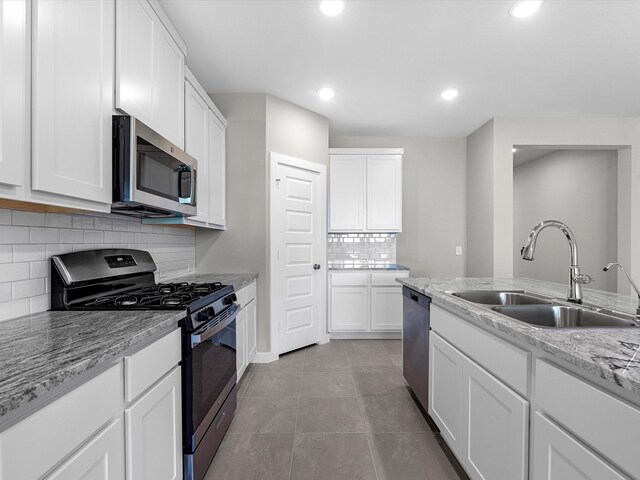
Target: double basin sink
x=546 y=312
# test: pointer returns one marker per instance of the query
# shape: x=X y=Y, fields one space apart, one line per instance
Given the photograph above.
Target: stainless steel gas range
x=123 y=279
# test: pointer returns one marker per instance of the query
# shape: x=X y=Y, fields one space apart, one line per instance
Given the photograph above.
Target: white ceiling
x=388 y=60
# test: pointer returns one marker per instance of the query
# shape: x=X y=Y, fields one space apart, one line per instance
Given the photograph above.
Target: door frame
x=275 y=284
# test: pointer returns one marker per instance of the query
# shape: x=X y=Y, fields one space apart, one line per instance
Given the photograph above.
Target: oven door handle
x=197 y=338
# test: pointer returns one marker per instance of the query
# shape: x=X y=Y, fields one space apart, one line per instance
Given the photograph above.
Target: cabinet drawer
x=35 y=445
x=146 y=367
x=387 y=279
x=507 y=362
x=609 y=425
x=246 y=294
x=348 y=279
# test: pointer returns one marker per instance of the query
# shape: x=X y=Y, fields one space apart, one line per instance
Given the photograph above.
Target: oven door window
x=161 y=174
x=214 y=364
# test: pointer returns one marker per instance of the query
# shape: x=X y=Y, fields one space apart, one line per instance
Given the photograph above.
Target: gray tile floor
x=330 y=412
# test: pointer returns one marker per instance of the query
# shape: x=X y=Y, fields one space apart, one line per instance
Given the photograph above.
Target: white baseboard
x=366 y=335
x=265 y=357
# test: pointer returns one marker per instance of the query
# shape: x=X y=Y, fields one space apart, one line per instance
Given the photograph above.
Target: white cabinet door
x=73 y=62
x=386 y=308
x=136 y=24
x=168 y=80
x=349 y=308
x=557 y=456
x=241 y=342
x=14 y=83
x=347 y=193
x=196 y=144
x=445 y=391
x=149 y=70
x=495 y=427
x=100 y=459
x=154 y=432
x=384 y=193
x=252 y=325
x=217 y=172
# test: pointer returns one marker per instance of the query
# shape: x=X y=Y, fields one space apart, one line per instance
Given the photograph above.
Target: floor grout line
x=295 y=425
x=366 y=435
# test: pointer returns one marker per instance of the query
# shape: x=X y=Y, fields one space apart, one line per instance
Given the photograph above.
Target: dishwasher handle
x=422 y=300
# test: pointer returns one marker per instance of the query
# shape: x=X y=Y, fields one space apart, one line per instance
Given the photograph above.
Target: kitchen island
x=517 y=401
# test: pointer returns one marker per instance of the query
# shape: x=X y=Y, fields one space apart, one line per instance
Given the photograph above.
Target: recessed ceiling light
x=326 y=93
x=331 y=8
x=449 y=93
x=524 y=8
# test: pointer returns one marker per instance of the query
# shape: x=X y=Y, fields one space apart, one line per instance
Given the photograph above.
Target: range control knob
x=203 y=316
x=229 y=299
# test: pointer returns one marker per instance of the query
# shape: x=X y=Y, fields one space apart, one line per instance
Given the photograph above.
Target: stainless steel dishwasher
x=415 y=343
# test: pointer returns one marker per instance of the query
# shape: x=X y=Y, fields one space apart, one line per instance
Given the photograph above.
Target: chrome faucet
x=633 y=284
x=576 y=279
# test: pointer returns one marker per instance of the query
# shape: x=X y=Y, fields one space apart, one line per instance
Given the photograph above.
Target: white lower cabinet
x=246 y=327
x=445 y=391
x=241 y=342
x=556 y=455
x=363 y=301
x=495 y=423
x=154 y=432
x=82 y=434
x=100 y=459
x=483 y=421
x=349 y=308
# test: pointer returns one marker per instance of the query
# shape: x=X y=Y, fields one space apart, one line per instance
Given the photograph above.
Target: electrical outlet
x=458 y=250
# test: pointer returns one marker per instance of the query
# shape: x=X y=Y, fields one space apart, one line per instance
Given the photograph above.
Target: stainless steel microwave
x=151 y=176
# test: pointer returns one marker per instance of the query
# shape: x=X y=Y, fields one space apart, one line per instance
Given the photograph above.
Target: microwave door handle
x=192 y=195
x=186 y=170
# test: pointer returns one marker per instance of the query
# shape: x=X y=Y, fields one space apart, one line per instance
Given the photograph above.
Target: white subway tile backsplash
x=15 y=308
x=5 y=216
x=29 y=219
x=6 y=254
x=93 y=236
x=59 y=220
x=12 y=272
x=40 y=269
x=69 y=235
x=361 y=248
x=11 y=235
x=27 y=288
x=27 y=245
x=40 y=303
x=28 y=253
x=5 y=292
x=44 y=235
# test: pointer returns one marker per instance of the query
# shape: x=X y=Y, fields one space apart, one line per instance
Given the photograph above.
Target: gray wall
x=480 y=202
x=433 y=201
x=256 y=125
x=241 y=248
x=621 y=134
x=588 y=203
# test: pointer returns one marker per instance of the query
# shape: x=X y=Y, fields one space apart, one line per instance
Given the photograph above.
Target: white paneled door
x=298 y=251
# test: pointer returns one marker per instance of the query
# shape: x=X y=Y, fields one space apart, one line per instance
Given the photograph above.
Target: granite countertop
x=41 y=354
x=365 y=266
x=612 y=354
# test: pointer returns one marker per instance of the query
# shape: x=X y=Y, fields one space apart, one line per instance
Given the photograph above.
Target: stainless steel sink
x=501 y=297
x=565 y=316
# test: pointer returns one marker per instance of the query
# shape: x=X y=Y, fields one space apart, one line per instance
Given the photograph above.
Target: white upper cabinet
x=365 y=192
x=384 y=193
x=72 y=98
x=217 y=172
x=196 y=144
x=14 y=84
x=347 y=202
x=150 y=69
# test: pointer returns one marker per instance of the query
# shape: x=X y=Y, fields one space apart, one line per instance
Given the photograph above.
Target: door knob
x=316 y=266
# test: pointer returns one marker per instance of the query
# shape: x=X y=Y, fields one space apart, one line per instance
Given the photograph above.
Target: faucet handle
x=582 y=278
